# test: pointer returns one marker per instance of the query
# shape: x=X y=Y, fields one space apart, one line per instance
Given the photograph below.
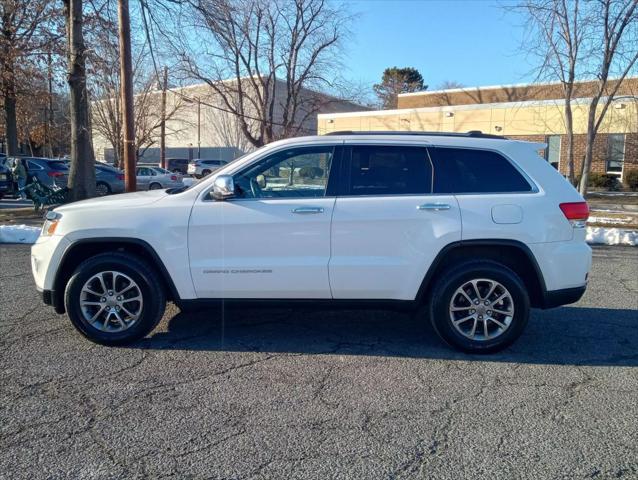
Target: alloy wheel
x=481 y=309
x=111 y=301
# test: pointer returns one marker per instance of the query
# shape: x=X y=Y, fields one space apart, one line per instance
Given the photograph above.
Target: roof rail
x=470 y=134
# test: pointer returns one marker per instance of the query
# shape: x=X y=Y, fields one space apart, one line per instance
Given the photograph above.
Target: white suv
x=468 y=230
x=201 y=168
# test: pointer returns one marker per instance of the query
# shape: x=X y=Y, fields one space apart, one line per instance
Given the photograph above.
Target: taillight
x=55 y=174
x=120 y=176
x=576 y=212
x=174 y=178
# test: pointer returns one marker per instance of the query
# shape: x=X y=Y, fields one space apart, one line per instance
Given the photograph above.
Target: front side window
x=458 y=170
x=389 y=170
x=615 y=153
x=552 y=154
x=293 y=173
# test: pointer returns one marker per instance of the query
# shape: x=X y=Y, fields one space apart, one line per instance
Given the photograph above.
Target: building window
x=552 y=153
x=615 y=152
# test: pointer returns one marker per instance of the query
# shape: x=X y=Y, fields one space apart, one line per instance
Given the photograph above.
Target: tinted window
x=58 y=165
x=459 y=170
x=377 y=170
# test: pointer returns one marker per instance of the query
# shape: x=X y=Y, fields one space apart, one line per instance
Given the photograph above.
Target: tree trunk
x=163 y=123
x=11 y=126
x=9 y=88
x=82 y=172
x=569 y=126
x=589 y=149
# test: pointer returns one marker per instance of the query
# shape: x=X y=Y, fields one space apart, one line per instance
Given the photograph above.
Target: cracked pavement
x=288 y=393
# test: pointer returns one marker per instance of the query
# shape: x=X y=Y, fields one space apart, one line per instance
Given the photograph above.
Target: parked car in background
x=155 y=178
x=6 y=180
x=202 y=167
x=177 y=165
x=108 y=179
x=48 y=171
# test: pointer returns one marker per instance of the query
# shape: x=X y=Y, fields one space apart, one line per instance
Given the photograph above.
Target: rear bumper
x=565 y=296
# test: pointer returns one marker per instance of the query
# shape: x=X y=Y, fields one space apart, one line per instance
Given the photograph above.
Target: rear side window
x=458 y=170
x=389 y=170
x=58 y=166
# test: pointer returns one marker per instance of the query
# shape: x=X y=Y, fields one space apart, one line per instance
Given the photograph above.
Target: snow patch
x=618 y=220
x=19 y=234
x=612 y=236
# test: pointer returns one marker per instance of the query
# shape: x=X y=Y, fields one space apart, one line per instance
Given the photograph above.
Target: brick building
x=533 y=112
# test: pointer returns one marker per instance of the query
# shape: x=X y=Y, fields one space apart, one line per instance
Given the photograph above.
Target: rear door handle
x=434 y=206
x=307 y=210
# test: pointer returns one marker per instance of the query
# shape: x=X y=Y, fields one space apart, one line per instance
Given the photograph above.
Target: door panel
x=387 y=228
x=273 y=239
x=259 y=248
x=382 y=247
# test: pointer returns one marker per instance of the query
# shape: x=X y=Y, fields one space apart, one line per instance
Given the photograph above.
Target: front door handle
x=307 y=210
x=434 y=206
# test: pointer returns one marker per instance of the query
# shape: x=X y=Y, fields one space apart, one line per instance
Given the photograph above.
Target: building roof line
x=497 y=87
x=457 y=108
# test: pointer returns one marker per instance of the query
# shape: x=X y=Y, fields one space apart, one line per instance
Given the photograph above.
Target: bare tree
x=616 y=47
x=450 y=85
x=82 y=173
x=226 y=129
x=25 y=25
x=107 y=112
x=555 y=35
x=261 y=57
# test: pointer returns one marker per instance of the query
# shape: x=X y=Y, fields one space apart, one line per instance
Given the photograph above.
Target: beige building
x=198 y=121
x=530 y=112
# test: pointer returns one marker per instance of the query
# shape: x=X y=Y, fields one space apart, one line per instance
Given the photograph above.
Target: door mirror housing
x=223 y=187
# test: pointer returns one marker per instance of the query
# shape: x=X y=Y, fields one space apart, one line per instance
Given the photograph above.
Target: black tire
x=102 y=189
x=454 y=278
x=154 y=300
x=154 y=186
x=206 y=172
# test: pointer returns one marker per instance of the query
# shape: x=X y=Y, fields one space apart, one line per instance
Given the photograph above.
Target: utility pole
x=163 y=123
x=126 y=75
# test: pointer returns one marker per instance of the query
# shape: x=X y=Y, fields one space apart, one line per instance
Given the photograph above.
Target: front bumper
x=46 y=255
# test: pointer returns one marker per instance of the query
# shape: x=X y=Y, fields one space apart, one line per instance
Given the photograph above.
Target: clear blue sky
x=474 y=42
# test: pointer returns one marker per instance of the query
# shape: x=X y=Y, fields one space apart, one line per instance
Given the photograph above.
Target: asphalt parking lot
x=302 y=394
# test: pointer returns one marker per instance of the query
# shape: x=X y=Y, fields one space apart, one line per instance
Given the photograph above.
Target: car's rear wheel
x=154 y=186
x=102 y=189
x=206 y=172
x=479 y=307
x=114 y=298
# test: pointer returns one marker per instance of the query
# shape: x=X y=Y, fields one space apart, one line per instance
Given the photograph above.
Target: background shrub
x=631 y=179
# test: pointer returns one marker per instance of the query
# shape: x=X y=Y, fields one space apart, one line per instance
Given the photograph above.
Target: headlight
x=50 y=223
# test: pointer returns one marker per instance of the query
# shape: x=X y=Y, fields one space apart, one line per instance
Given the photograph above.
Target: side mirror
x=261 y=181
x=223 y=187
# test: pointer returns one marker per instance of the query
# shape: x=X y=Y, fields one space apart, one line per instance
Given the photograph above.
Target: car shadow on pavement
x=562 y=336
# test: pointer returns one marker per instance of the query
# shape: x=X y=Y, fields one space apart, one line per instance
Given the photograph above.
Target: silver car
x=155 y=178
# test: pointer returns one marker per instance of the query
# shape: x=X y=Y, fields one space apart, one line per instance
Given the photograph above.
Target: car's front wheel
x=114 y=298
x=479 y=306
